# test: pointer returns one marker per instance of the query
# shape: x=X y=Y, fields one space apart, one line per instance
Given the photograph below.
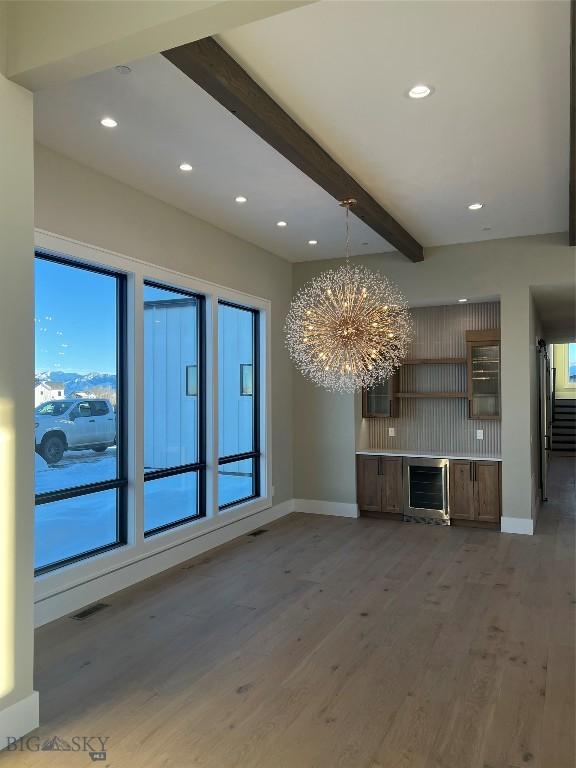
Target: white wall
x=18 y=704
x=324 y=427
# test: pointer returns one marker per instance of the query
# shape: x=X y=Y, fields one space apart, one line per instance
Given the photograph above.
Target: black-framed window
x=238 y=406
x=80 y=424
x=174 y=407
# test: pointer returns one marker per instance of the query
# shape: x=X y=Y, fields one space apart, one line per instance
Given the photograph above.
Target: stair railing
x=553 y=394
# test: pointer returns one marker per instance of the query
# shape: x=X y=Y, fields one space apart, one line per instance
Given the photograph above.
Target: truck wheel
x=99 y=448
x=52 y=449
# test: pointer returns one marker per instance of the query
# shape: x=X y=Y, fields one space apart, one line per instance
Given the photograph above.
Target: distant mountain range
x=79 y=382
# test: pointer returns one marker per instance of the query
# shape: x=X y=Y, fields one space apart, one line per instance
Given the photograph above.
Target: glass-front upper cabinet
x=483 y=357
x=380 y=401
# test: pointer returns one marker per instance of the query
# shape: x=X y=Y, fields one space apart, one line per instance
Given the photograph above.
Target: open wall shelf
x=482 y=380
x=433 y=361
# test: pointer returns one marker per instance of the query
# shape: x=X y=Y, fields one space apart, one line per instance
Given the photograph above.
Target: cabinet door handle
x=474 y=473
x=470 y=472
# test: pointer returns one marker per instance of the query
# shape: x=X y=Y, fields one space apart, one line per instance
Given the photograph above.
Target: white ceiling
x=165 y=119
x=495 y=129
x=556 y=306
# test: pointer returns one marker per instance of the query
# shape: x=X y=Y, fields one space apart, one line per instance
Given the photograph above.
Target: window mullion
x=213 y=444
x=136 y=414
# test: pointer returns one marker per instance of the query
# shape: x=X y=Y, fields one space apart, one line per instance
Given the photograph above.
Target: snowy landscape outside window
x=238 y=407
x=80 y=476
x=174 y=440
x=572 y=363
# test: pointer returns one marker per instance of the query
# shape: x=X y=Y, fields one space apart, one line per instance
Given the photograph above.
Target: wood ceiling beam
x=572 y=192
x=213 y=69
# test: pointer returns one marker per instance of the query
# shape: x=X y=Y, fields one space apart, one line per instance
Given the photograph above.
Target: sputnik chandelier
x=349 y=327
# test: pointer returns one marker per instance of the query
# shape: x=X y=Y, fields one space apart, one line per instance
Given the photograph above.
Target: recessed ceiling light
x=108 y=122
x=312 y=242
x=475 y=206
x=281 y=224
x=486 y=229
x=186 y=167
x=420 y=91
x=123 y=69
x=241 y=199
x=462 y=301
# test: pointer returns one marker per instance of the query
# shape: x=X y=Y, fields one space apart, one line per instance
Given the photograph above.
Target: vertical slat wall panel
x=435 y=424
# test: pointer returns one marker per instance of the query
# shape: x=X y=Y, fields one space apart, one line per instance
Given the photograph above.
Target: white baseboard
x=334 y=508
x=75 y=597
x=19 y=719
x=517 y=525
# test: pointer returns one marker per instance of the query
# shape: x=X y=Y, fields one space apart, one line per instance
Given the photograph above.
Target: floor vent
x=87 y=612
x=259 y=532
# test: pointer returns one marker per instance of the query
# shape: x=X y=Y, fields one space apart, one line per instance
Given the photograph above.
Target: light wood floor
x=331 y=643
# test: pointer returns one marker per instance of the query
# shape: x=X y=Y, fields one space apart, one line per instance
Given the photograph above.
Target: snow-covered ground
x=76 y=468
x=72 y=526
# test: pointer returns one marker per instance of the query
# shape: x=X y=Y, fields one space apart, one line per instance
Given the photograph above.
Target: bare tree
x=104 y=393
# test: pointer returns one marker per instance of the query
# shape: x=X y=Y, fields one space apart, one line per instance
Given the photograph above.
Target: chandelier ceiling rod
x=349 y=327
x=348 y=203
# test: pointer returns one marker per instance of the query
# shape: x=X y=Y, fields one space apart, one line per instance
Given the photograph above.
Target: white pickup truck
x=73 y=425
